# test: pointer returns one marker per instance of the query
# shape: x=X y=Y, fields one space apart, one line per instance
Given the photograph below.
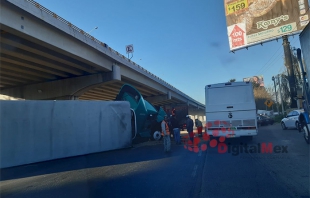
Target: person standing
x=198 y=124
x=176 y=129
x=170 y=127
x=166 y=134
x=173 y=112
x=190 y=128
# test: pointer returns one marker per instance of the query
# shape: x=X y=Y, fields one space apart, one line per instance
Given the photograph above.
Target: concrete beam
x=66 y=89
x=199 y=112
x=159 y=98
x=36 y=25
x=148 y=81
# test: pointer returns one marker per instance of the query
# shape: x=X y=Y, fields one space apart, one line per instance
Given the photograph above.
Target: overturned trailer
x=39 y=130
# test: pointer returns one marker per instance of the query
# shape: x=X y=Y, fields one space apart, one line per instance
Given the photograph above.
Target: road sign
x=268 y=103
x=129 y=49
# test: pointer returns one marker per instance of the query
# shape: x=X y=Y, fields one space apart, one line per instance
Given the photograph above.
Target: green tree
x=285 y=89
x=260 y=95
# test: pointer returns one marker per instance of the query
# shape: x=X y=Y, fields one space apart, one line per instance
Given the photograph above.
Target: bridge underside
x=42 y=58
x=38 y=72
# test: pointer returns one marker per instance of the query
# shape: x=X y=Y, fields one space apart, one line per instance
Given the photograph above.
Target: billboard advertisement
x=250 y=22
x=257 y=79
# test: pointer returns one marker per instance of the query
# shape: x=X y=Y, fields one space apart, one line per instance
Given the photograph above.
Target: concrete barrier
x=34 y=131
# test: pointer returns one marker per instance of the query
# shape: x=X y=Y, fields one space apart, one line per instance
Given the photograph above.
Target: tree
x=285 y=89
x=232 y=80
x=275 y=97
x=260 y=95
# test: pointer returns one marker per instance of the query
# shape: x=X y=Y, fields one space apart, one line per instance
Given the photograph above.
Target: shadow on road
x=108 y=158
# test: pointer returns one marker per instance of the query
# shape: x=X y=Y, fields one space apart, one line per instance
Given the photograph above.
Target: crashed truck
x=146 y=118
x=304 y=63
x=180 y=111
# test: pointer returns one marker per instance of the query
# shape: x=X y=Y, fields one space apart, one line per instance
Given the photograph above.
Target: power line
x=268 y=62
x=265 y=68
x=275 y=57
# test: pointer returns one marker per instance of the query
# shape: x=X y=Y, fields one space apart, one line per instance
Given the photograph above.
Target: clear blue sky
x=184 y=42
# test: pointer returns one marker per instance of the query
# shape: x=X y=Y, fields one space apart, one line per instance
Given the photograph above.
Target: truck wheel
x=156 y=135
x=306 y=134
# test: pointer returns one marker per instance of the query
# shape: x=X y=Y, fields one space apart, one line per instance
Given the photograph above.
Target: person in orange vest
x=166 y=134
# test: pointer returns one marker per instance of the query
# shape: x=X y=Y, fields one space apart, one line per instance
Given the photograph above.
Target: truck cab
x=146 y=118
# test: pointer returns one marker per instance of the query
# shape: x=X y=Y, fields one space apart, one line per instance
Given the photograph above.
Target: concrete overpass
x=45 y=57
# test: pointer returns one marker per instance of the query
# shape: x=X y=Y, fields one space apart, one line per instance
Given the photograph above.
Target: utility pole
x=280 y=94
x=304 y=83
x=275 y=90
x=290 y=70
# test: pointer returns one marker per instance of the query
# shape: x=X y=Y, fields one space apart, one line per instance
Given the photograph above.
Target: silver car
x=291 y=120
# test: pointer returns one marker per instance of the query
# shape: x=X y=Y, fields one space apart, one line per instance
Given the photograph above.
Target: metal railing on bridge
x=36 y=4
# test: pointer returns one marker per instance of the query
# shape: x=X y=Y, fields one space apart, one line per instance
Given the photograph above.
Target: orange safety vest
x=167 y=129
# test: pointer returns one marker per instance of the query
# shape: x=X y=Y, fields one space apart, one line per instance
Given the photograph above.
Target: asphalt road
x=208 y=170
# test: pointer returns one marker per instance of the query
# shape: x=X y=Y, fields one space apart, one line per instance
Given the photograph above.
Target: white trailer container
x=34 y=131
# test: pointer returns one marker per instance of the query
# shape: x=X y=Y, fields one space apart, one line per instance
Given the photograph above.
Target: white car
x=291 y=120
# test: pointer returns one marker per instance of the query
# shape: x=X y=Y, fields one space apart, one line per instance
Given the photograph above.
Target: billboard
x=250 y=22
x=257 y=79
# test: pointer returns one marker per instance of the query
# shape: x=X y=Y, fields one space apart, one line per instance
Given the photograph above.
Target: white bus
x=231 y=110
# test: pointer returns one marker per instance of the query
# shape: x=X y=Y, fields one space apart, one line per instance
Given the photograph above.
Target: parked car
x=264 y=120
x=291 y=120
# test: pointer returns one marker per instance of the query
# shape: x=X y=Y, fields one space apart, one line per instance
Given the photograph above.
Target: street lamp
x=279 y=81
x=275 y=90
x=95 y=28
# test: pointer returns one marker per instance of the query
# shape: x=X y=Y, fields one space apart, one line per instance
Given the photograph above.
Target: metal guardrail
x=36 y=4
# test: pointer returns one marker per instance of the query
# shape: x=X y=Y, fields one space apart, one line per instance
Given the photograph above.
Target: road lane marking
x=194 y=171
